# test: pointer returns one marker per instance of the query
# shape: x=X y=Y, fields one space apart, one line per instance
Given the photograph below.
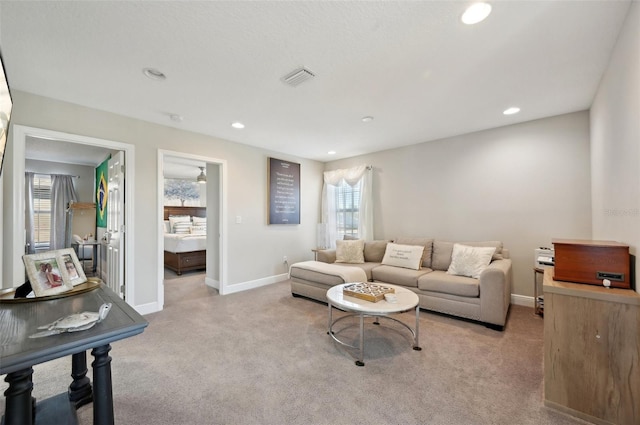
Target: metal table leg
x=416 y=337
x=360 y=361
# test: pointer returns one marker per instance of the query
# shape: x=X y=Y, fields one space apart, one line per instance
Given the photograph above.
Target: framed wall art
x=284 y=192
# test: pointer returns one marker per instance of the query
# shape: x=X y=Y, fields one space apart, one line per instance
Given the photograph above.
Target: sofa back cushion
x=426 y=243
x=374 y=251
x=442 y=250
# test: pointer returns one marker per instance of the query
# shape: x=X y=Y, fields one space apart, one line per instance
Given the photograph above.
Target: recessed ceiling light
x=367 y=119
x=237 y=125
x=154 y=74
x=331 y=152
x=511 y=111
x=475 y=13
x=176 y=117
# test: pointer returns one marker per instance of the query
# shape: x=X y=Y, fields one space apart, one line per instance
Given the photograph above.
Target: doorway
x=215 y=170
x=14 y=201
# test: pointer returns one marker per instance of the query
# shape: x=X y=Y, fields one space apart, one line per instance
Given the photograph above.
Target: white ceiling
x=59 y=151
x=412 y=65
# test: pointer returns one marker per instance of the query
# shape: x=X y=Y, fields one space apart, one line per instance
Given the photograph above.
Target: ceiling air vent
x=298 y=77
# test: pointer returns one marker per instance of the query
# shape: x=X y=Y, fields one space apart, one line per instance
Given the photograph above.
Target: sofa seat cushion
x=398 y=275
x=328 y=274
x=366 y=267
x=440 y=281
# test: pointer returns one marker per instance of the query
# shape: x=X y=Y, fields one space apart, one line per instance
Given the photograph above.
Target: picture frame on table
x=72 y=266
x=53 y=272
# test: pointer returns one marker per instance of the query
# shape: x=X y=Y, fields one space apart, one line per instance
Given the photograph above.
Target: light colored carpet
x=264 y=357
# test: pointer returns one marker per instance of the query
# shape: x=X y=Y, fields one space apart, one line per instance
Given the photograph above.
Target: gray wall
x=255 y=249
x=522 y=184
x=84 y=183
x=615 y=142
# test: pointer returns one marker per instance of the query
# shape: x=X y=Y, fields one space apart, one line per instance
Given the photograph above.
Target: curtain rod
x=52 y=174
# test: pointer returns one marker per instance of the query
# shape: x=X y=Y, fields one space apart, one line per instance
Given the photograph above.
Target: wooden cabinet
x=592 y=351
x=590 y=262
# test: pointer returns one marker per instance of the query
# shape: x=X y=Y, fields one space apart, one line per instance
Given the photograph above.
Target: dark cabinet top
x=19 y=320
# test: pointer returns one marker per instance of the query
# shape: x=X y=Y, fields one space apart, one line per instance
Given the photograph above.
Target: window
x=347 y=209
x=42 y=211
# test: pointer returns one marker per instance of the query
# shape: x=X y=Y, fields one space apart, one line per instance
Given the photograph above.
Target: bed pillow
x=199 y=221
x=167 y=226
x=175 y=219
x=351 y=251
x=198 y=230
x=406 y=256
x=470 y=261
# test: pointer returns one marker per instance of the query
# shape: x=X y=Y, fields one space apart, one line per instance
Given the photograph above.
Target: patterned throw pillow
x=182 y=227
x=469 y=261
x=350 y=251
x=407 y=256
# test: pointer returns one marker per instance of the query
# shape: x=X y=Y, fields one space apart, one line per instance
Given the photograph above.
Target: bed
x=185 y=252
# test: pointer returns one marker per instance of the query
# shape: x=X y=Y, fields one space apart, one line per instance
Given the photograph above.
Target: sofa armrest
x=495 y=292
x=326 y=255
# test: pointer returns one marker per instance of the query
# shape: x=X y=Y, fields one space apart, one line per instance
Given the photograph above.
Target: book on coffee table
x=367 y=291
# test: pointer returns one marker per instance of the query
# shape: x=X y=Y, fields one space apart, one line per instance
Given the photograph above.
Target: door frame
x=19 y=134
x=220 y=284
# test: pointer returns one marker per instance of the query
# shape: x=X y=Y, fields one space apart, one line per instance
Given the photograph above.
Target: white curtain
x=62 y=193
x=360 y=175
x=28 y=215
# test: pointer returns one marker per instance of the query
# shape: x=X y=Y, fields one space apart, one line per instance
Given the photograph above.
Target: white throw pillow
x=174 y=219
x=198 y=221
x=167 y=226
x=407 y=256
x=469 y=261
x=350 y=251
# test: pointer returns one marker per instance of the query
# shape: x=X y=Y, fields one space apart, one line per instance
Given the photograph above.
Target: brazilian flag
x=101 y=193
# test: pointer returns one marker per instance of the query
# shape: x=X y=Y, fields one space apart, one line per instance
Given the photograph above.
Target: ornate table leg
x=102 y=392
x=19 y=405
x=80 y=389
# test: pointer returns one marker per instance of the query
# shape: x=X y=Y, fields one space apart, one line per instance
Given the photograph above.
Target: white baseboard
x=522 y=300
x=147 y=308
x=244 y=286
x=212 y=283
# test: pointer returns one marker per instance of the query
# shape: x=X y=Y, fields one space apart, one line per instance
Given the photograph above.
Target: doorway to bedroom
x=191 y=209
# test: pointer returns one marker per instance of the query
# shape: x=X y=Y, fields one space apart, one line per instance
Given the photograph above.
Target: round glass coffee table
x=406 y=300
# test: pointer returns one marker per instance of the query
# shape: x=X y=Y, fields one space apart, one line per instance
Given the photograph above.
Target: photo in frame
x=48 y=273
x=72 y=266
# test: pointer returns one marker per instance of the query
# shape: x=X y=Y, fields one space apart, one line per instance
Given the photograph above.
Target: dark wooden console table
x=19 y=353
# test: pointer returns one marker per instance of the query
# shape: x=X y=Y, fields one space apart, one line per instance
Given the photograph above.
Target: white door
x=115 y=225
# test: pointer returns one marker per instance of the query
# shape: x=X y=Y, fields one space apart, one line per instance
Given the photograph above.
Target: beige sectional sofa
x=484 y=299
